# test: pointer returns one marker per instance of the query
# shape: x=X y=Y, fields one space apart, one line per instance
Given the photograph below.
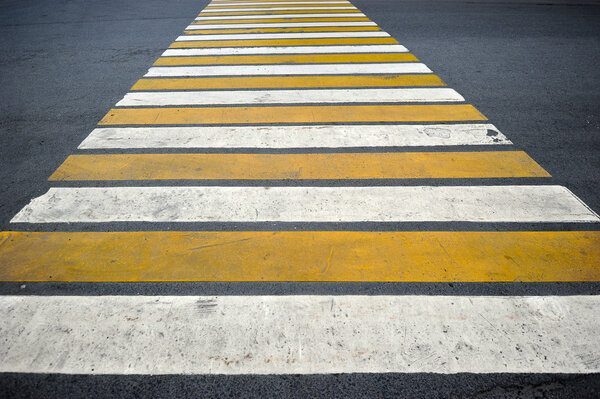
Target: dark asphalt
x=530 y=66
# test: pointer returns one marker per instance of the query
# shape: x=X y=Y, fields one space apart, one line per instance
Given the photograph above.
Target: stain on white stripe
x=300 y=9
x=308 y=204
x=374 y=48
x=328 y=136
x=311 y=96
x=281 y=25
x=276 y=3
x=296 y=35
x=299 y=334
x=282 y=16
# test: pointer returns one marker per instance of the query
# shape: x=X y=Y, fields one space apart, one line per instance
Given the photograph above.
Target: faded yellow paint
x=292 y=114
x=287 y=82
x=216 y=14
x=260 y=21
x=301 y=256
x=275 y=30
x=403 y=165
x=284 y=42
x=285 y=59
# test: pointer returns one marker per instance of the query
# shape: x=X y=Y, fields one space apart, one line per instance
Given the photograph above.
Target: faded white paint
x=311 y=96
x=300 y=9
x=281 y=25
x=299 y=334
x=282 y=16
x=296 y=35
x=308 y=204
x=373 y=48
x=274 y=3
x=291 y=69
x=333 y=136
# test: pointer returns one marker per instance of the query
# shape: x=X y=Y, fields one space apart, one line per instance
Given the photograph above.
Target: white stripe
x=299 y=69
x=280 y=16
x=276 y=9
x=293 y=136
x=276 y=3
x=311 y=96
x=297 y=35
x=299 y=334
x=370 y=48
x=281 y=25
x=308 y=204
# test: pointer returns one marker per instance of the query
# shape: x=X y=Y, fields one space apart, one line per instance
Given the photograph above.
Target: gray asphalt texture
x=530 y=66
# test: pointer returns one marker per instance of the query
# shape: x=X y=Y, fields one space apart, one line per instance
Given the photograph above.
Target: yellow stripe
x=287 y=114
x=285 y=59
x=281 y=30
x=258 y=21
x=216 y=14
x=301 y=256
x=412 y=165
x=287 y=82
x=284 y=42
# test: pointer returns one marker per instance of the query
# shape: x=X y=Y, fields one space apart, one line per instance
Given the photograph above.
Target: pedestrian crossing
x=293 y=113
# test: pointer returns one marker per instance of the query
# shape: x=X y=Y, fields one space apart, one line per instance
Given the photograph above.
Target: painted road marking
x=307 y=204
x=403 y=165
x=326 y=334
x=278 y=5
x=298 y=69
x=280 y=25
x=383 y=80
x=264 y=30
x=270 y=9
x=277 y=13
x=419 y=256
x=284 y=42
x=292 y=114
x=230 y=97
x=327 y=136
x=285 y=59
x=263 y=36
x=375 y=48
x=251 y=19
x=340 y=16
x=260 y=3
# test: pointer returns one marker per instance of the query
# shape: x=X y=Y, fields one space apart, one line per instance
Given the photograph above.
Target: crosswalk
x=295 y=114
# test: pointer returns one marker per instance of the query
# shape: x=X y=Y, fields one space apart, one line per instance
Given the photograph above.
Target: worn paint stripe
x=383 y=80
x=525 y=204
x=276 y=20
x=280 y=25
x=326 y=17
x=374 y=48
x=313 y=96
x=277 y=6
x=421 y=256
x=292 y=114
x=285 y=42
x=271 y=3
x=263 y=36
x=291 y=69
x=268 y=30
x=284 y=59
x=323 y=136
x=404 y=165
x=270 y=9
x=148 y=335
x=252 y=13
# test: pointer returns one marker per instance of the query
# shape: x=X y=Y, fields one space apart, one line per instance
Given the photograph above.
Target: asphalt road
x=530 y=67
